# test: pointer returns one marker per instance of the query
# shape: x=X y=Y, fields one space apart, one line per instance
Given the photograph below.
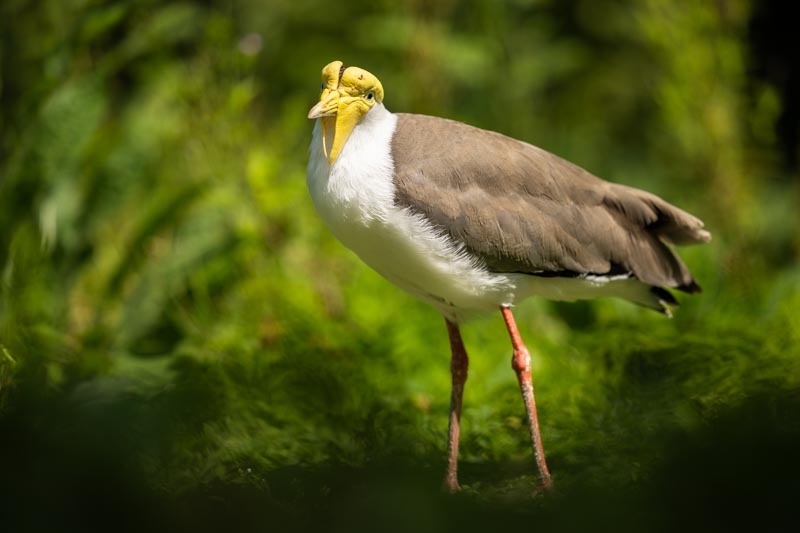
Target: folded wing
x=522 y=209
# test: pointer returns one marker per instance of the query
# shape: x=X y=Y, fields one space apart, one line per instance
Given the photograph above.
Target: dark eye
x=370 y=96
x=321 y=86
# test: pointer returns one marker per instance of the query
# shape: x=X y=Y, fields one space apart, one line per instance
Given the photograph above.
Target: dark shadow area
x=70 y=466
x=775 y=60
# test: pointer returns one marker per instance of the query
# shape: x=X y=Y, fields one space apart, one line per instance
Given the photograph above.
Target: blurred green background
x=184 y=345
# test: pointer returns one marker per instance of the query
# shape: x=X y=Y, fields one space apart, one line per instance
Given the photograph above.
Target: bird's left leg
x=459 y=363
x=521 y=363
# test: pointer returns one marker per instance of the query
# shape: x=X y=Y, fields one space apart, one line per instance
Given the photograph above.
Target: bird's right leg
x=459 y=363
x=521 y=363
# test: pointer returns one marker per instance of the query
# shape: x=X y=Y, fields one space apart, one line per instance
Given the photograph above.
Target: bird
x=472 y=221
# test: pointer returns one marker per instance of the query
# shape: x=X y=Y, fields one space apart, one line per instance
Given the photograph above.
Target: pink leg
x=521 y=363
x=459 y=363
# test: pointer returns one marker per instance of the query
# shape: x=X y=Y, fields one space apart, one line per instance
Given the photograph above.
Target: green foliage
x=172 y=307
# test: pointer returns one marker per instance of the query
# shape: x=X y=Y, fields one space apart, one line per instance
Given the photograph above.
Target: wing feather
x=522 y=209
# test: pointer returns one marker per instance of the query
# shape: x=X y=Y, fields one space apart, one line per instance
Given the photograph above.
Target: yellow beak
x=338 y=113
x=325 y=110
x=326 y=107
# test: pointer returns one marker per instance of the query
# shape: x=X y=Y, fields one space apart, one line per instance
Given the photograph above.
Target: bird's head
x=348 y=93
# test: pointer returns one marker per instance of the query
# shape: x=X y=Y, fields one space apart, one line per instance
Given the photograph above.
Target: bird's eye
x=370 y=96
x=321 y=86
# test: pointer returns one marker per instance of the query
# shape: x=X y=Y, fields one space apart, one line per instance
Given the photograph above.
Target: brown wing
x=522 y=209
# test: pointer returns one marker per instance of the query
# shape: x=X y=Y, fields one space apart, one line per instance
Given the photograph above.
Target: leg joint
x=521 y=360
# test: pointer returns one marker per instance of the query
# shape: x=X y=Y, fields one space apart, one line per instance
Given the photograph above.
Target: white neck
x=360 y=180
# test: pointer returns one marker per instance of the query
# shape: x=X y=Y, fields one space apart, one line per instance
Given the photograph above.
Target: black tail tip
x=690 y=288
x=664 y=295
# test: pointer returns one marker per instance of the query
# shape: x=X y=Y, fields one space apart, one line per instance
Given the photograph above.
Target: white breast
x=355 y=198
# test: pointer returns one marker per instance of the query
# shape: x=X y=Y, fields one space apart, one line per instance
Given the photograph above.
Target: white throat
x=358 y=186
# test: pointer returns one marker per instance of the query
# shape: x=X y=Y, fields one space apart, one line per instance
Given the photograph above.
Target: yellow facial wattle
x=347 y=95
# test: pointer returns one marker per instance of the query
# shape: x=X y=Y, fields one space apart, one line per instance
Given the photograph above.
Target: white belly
x=409 y=253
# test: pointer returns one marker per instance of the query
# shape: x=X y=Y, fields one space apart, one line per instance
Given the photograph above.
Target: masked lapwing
x=470 y=220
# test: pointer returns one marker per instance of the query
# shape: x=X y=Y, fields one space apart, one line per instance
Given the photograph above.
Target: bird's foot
x=450 y=484
x=543 y=486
